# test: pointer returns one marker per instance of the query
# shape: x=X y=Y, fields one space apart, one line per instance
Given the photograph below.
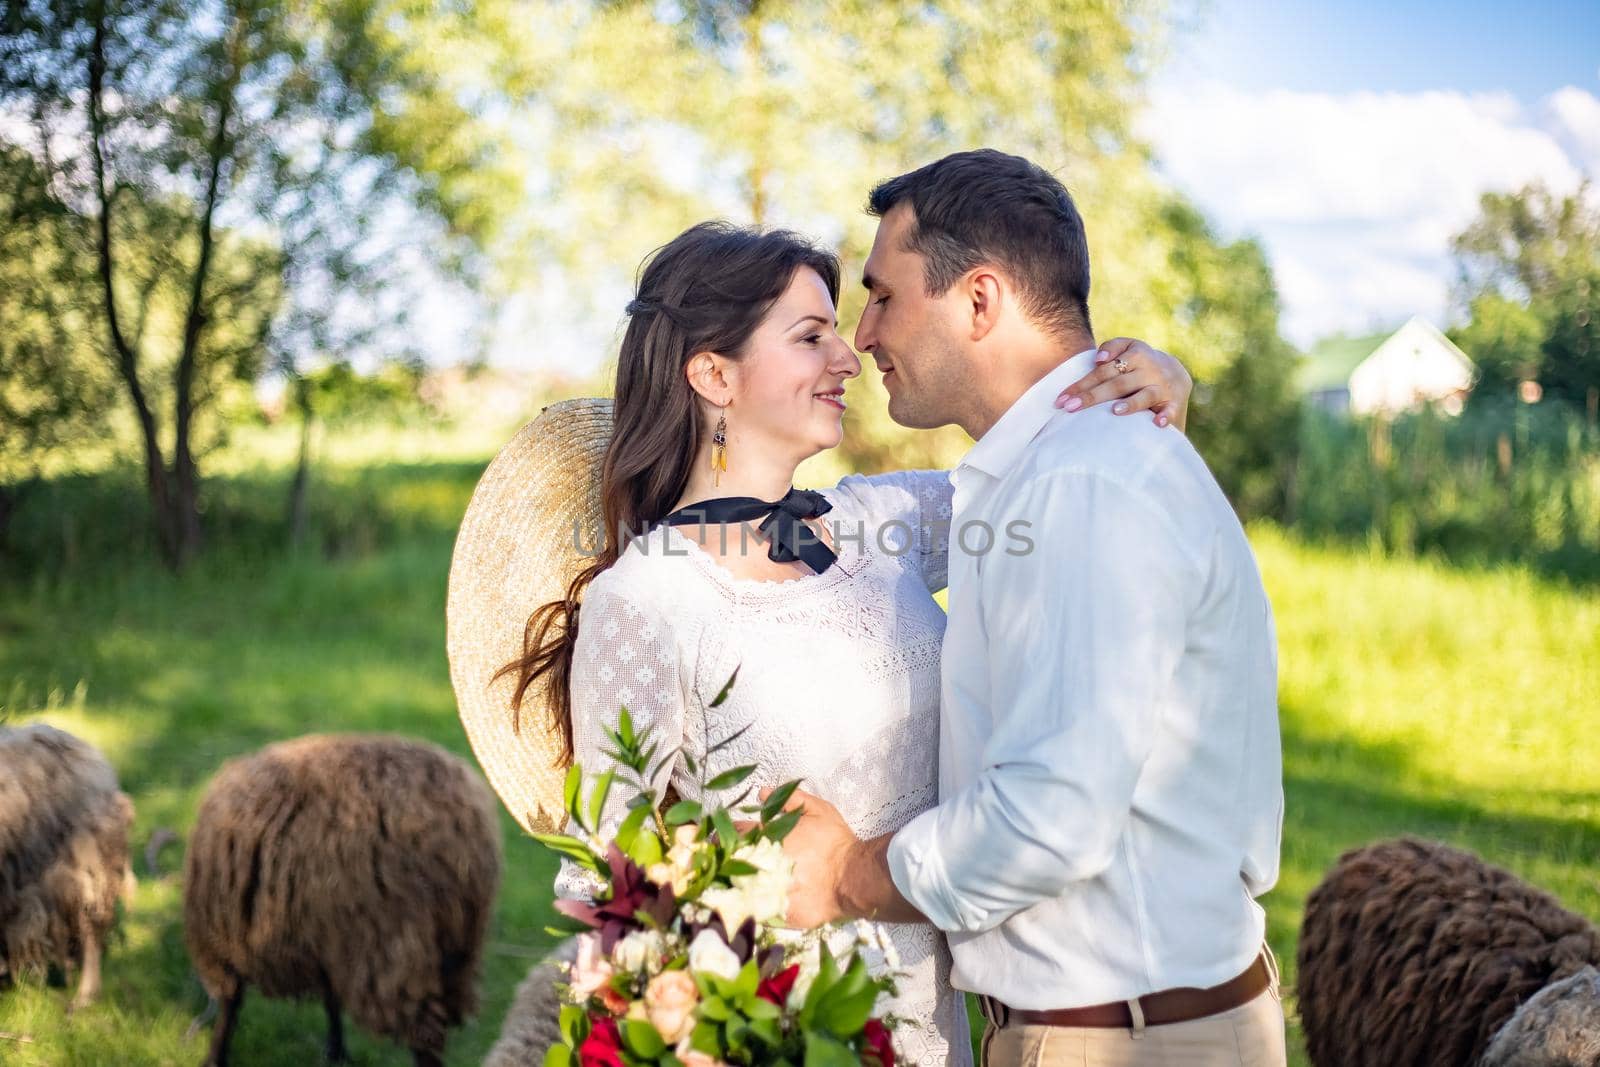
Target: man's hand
x=822 y=847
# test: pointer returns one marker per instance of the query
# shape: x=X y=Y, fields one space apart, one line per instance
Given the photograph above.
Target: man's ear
x=705 y=372
x=987 y=294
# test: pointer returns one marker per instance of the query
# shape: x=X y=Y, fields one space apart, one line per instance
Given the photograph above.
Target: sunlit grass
x=1415 y=698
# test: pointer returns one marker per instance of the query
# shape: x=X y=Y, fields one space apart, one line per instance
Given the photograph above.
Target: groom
x=1110 y=772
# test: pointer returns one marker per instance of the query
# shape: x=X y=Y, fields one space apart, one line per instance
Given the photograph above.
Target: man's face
x=914 y=338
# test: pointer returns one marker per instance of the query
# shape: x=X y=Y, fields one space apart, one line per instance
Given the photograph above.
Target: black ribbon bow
x=783 y=523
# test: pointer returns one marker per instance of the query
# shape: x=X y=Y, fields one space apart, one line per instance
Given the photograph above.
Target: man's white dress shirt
x=1110 y=778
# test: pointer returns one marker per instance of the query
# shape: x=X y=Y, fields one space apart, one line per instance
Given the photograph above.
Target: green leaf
x=846 y=1015
x=762 y=1009
x=569 y=792
x=726 y=833
x=667 y=760
x=574 y=1024
x=706 y=1037
x=730 y=778
x=646 y=849
x=779 y=828
x=780 y=796
x=681 y=812
x=715 y=1008
x=646 y=756
x=736 y=868
x=558 y=1056
x=625 y=729
x=574 y=850
x=689 y=763
x=726 y=689
x=642 y=1039
x=767 y=1029
x=827 y=976
x=823 y=1050
x=597 y=798
x=749 y=980
x=629 y=830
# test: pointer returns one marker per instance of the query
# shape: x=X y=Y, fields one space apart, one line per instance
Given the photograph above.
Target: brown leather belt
x=1161 y=1008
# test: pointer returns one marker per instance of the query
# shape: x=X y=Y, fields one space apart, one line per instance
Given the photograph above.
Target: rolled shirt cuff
x=918 y=871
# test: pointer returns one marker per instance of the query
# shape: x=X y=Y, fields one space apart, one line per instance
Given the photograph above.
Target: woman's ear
x=705 y=372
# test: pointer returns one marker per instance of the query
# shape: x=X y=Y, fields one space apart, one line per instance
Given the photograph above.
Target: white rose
x=767 y=855
x=728 y=902
x=639 y=951
x=763 y=895
x=709 y=954
x=767 y=902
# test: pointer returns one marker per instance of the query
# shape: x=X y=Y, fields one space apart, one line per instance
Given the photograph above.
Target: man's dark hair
x=990 y=207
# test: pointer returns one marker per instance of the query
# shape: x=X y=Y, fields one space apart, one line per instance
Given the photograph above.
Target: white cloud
x=1356 y=195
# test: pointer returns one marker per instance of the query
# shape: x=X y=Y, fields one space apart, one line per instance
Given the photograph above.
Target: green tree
x=1529 y=277
x=1223 y=320
x=217 y=151
x=644 y=117
x=53 y=391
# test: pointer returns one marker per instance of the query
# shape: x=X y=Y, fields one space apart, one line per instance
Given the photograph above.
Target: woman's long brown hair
x=706 y=291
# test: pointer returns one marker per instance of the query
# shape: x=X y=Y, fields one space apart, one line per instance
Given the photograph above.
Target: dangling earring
x=719 y=450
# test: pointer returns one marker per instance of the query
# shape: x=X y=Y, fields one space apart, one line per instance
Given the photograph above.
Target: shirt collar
x=998 y=449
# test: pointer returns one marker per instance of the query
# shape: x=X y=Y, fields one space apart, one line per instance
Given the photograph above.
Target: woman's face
x=789 y=387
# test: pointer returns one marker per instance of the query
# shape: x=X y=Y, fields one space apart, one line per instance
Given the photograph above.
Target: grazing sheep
x=63 y=854
x=1559 y=1027
x=361 y=870
x=532 y=1021
x=1415 y=953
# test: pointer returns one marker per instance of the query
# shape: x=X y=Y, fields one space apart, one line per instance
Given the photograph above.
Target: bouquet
x=681 y=958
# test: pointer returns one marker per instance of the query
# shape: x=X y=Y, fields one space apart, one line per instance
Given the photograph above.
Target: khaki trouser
x=1251 y=1035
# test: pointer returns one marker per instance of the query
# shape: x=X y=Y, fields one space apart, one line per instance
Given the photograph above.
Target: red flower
x=776 y=988
x=603 y=1046
x=878 y=1044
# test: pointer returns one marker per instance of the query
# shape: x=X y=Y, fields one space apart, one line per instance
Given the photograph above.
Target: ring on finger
x=1122 y=365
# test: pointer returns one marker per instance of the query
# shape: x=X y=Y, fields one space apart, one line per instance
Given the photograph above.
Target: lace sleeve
x=625 y=657
x=921 y=500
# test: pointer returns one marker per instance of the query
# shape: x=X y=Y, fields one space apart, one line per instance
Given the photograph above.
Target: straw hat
x=515 y=551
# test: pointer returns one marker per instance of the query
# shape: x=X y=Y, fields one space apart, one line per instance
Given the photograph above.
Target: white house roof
x=1415 y=365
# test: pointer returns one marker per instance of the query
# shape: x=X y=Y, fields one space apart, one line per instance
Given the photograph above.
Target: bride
x=731 y=373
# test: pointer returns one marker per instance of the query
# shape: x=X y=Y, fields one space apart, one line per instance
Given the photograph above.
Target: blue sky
x=1527 y=49
x=1355 y=139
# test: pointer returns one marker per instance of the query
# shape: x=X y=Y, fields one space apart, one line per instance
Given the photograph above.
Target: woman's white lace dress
x=838 y=682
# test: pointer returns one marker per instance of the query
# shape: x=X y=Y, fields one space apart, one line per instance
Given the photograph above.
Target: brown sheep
x=360 y=870
x=64 y=859
x=1415 y=953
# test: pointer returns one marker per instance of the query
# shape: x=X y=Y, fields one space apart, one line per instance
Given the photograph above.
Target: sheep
x=531 y=1023
x=64 y=858
x=1415 y=953
x=1559 y=1027
x=358 y=869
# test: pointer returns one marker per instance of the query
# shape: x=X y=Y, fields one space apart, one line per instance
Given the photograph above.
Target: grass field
x=1415 y=698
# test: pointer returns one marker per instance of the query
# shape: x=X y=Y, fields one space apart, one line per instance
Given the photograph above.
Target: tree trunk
x=127 y=359
x=302 y=470
x=186 y=498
